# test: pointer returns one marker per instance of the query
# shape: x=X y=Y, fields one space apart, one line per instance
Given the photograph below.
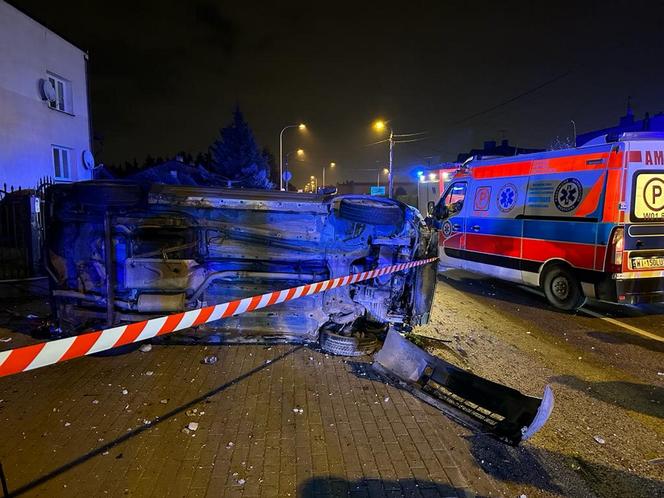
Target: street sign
x=287 y=176
x=377 y=191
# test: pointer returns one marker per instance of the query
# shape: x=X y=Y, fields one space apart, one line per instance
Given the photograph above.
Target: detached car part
x=120 y=252
x=472 y=401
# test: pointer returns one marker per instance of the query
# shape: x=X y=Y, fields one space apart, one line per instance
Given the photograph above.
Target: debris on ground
x=95 y=401
x=599 y=439
x=210 y=360
x=164 y=401
x=192 y=426
x=6 y=339
x=124 y=391
x=149 y=373
x=145 y=348
x=298 y=410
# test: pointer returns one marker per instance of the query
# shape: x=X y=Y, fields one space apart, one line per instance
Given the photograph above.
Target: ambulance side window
x=452 y=202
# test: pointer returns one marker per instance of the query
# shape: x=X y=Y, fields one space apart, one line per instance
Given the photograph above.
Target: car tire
x=562 y=289
x=342 y=345
x=107 y=194
x=370 y=212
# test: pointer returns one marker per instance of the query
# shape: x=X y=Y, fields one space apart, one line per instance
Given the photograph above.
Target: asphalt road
x=605 y=365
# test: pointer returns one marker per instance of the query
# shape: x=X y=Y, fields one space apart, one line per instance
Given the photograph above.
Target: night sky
x=165 y=76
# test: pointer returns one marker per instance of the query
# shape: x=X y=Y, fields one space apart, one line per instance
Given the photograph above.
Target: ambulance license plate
x=638 y=263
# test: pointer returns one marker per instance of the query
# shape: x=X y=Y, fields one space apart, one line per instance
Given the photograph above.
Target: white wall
x=28 y=126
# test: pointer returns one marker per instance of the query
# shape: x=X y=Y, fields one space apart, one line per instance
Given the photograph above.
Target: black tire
x=562 y=289
x=370 y=212
x=103 y=194
x=341 y=345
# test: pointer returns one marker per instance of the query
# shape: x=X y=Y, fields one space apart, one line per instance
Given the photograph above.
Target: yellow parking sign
x=648 y=196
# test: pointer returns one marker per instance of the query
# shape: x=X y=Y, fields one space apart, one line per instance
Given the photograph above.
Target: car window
x=453 y=200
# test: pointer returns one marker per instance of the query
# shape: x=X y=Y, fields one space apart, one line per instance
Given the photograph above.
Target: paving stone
x=350 y=443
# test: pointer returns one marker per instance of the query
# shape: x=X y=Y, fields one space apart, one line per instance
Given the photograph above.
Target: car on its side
x=120 y=252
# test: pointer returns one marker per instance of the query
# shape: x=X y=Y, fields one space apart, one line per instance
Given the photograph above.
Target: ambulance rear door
x=644 y=205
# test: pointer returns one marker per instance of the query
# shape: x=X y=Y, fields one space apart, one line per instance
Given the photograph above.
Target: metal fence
x=22 y=230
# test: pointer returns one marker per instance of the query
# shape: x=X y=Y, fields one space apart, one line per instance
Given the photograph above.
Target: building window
x=63 y=94
x=62 y=163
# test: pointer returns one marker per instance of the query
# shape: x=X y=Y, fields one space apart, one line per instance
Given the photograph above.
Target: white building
x=44 y=121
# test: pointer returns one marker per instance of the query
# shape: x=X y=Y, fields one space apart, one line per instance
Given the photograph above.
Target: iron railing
x=22 y=230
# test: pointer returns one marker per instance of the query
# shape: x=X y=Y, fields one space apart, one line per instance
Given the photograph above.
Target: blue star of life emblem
x=507 y=197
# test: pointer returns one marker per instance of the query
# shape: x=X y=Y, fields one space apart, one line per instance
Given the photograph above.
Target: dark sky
x=165 y=76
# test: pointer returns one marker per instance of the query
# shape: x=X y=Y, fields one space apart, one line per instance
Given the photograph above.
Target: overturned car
x=121 y=252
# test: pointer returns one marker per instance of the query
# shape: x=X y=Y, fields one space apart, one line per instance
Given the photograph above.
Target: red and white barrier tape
x=59 y=350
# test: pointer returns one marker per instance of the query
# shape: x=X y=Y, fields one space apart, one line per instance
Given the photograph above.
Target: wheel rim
x=560 y=287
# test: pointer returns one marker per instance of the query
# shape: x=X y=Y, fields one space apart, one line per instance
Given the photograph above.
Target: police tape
x=56 y=351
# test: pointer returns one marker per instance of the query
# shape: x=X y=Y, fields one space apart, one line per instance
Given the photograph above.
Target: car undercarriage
x=121 y=252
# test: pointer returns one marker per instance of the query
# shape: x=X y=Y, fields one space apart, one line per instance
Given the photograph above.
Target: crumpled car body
x=120 y=252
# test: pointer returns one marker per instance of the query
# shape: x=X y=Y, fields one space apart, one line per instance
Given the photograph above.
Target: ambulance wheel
x=562 y=288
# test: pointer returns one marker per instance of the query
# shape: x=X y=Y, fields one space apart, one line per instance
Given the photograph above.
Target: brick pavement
x=68 y=430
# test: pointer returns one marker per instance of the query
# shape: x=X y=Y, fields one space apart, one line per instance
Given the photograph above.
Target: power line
x=517 y=97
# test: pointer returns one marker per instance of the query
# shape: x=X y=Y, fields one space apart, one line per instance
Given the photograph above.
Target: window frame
x=63 y=94
x=448 y=192
x=58 y=163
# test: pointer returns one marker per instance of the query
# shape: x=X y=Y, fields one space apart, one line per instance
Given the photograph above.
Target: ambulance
x=578 y=223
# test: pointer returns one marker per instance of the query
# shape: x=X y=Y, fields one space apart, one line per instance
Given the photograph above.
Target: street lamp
x=380 y=126
x=332 y=165
x=300 y=127
x=385 y=172
x=300 y=155
x=314 y=183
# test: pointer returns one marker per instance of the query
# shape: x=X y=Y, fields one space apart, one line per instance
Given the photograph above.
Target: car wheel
x=107 y=194
x=342 y=345
x=370 y=212
x=562 y=289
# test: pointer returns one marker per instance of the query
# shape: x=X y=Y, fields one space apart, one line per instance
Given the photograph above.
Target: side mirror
x=430 y=207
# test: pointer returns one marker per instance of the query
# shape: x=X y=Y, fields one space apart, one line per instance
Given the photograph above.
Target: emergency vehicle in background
x=582 y=222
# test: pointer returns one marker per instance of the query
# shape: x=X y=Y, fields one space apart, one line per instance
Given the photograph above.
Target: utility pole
x=381 y=125
x=390 y=188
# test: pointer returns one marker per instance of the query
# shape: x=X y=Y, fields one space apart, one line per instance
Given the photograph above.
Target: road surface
x=605 y=365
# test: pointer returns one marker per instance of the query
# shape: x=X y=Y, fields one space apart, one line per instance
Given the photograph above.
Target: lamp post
x=300 y=127
x=314 y=183
x=385 y=172
x=332 y=165
x=381 y=125
x=300 y=154
x=393 y=138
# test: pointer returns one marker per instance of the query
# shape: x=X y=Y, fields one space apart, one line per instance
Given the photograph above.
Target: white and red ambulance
x=582 y=222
